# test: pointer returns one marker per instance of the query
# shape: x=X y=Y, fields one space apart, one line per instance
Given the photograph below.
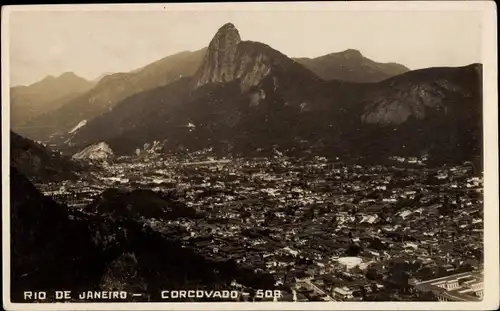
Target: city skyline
x=79 y=41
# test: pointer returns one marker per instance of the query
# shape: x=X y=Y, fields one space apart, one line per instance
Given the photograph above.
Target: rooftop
x=459 y=292
x=350 y=261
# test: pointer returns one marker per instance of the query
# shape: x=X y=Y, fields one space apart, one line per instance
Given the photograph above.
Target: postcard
x=250 y=156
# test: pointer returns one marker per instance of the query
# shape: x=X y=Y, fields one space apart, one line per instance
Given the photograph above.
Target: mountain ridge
x=229 y=58
x=245 y=96
x=110 y=90
x=45 y=95
x=352 y=66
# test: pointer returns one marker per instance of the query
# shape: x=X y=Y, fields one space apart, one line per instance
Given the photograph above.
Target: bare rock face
x=254 y=64
x=403 y=103
x=228 y=58
x=417 y=96
x=219 y=62
x=99 y=151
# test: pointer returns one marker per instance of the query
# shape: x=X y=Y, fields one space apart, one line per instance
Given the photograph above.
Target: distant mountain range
x=109 y=91
x=242 y=97
x=351 y=65
x=44 y=96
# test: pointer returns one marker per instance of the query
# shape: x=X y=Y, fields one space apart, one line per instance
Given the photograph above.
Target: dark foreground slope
x=38 y=162
x=56 y=249
x=50 y=248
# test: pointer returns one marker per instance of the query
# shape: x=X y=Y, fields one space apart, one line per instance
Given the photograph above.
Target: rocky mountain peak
x=219 y=62
x=228 y=30
x=228 y=58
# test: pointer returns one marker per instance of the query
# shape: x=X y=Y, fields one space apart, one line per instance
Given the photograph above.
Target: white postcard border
x=490 y=129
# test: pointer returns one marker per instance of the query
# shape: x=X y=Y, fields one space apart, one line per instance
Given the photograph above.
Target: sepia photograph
x=278 y=156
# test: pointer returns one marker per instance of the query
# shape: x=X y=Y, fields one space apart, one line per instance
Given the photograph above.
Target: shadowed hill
x=139 y=203
x=38 y=162
x=435 y=111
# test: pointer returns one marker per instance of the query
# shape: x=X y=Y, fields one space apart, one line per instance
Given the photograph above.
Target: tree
x=363 y=292
x=373 y=275
x=290 y=210
x=334 y=220
x=353 y=250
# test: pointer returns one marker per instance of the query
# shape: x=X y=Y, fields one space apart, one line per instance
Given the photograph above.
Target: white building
x=342 y=293
x=466 y=286
x=347 y=263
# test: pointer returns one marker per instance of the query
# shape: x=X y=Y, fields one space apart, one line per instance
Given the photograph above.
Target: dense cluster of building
x=325 y=230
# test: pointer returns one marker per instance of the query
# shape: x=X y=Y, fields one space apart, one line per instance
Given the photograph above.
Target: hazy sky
x=91 y=43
